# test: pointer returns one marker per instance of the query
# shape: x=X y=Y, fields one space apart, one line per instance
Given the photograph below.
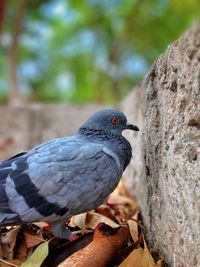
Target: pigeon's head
x=110 y=120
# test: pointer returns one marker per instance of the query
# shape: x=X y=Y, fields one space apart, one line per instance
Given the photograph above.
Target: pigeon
x=66 y=176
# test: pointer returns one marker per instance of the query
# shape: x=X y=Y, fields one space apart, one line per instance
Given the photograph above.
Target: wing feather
x=68 y=175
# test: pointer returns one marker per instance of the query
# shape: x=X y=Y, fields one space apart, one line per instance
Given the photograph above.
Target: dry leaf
x=41 y=224
x=32 y=239
x=135 y=259
x=36 y=259
x=121 y=189
x=90 y=220
x=78 y=220
x=122 y=203
x=100 y=251
x=94 y=218
x=160 y=263
x=133 y=227
x=139 y=258
x=10 y=263
x=106 y=211
x=120 y=200
x=21 y=251
x=148 y=256
x=60 y=249
x=8 y=241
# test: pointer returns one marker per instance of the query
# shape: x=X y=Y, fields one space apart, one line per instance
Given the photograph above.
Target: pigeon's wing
x=63 y=176
x=74 y=173
x=20 y=199
x=6 y=167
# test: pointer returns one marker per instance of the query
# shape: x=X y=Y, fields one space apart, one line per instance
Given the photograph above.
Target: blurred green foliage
x=94 y=50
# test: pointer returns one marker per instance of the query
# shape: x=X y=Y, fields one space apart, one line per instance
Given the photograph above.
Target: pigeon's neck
x=116 y=142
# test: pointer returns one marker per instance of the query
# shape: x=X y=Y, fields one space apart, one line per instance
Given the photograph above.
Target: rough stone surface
x=169 y=168
x=133 y=107
x=24 y=127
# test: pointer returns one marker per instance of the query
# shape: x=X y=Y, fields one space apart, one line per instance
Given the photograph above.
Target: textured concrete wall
x=167 y=178
x=21 y=128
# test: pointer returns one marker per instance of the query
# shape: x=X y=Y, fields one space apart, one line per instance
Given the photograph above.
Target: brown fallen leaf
x=122 y=213
x=94 y=218
x=90 y=220
x=160 y=263
x=133 y=227
x=121 y=190
x=10 y=263
x=123 y=253
x=8 y=241
x=41 y=225
x=135 y=259
x=32 y=239
x=106 y=211
x=101 y=250
x=123 y=204
x=139 y=258
x=21 y=250
x=120 y=200
x=60 y=249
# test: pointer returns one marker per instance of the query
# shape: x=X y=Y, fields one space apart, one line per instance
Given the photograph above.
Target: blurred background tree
x=83 y=51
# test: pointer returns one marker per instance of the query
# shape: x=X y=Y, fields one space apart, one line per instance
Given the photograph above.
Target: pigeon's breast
x=112 y=154
x=119 y=147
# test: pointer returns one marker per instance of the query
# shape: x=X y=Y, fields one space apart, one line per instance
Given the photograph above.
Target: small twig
x=81 y=232
x=9 y=263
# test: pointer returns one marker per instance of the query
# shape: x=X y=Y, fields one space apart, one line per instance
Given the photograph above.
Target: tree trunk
x=14 y=86
x=2 y=14
x=165 y=174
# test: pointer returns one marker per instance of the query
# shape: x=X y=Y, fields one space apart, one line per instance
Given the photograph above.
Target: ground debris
x=111 y=235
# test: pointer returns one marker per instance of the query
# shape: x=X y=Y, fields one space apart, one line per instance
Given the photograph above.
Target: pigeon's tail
x=9 y=219
x=7 y=216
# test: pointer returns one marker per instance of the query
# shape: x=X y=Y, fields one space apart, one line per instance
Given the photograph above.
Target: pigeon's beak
x=132 y=127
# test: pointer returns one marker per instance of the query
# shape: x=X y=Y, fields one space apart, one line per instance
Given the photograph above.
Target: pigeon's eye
x=115 y=120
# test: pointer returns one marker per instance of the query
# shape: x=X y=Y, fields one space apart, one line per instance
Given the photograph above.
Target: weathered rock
x=133 y=107
x=167 y=177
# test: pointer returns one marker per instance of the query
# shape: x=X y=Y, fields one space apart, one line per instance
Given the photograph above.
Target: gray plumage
x=66 y=176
